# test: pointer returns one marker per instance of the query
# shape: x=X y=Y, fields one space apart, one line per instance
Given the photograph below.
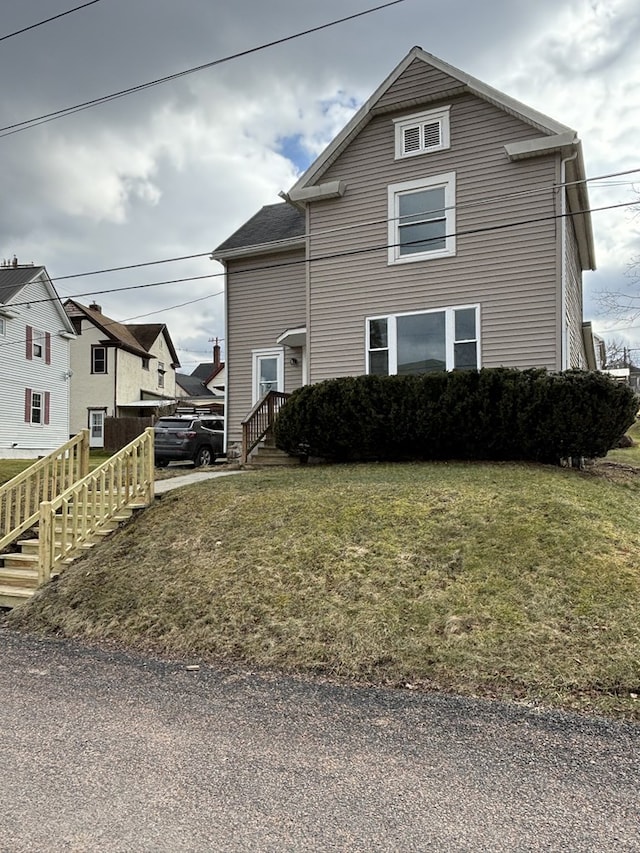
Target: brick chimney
x=216 y=355
x=95 y=307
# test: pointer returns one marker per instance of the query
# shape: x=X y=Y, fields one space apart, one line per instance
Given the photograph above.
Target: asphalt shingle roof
x=13 y=279
x=193 y=386
x=273 y=222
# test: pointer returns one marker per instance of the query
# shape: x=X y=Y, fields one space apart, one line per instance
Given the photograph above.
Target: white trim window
x=422 y=219
x=424 y=342
x=267 y=372
x=422 y=133
x=37 y=407
x=3 y=327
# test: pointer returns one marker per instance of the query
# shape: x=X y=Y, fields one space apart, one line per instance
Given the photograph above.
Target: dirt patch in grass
x=515 y=581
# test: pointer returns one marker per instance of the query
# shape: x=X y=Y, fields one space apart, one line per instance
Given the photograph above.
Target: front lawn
x=517 y=581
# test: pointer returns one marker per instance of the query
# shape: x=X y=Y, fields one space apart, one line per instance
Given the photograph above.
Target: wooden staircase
x=267 y=455
x=74 y=520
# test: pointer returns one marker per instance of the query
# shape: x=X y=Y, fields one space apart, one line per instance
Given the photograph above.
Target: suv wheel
x=204 y=456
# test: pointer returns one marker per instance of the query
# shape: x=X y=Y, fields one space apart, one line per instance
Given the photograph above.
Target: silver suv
x=200 y=440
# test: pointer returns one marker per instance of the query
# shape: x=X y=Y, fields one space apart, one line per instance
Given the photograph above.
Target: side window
x=422 y=219
x=98 y=359
x=37 y=405
x=3 y=327
x=38 y=344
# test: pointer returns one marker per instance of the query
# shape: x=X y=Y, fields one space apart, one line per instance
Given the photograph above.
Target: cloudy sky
x=175 y=169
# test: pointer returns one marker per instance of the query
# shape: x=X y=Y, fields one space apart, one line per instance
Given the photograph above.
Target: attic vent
x=422 y=133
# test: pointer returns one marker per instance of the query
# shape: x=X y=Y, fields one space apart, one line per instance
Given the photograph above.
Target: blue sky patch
x=292 y=147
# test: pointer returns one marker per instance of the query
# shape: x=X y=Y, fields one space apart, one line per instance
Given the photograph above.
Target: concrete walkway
x=189 y=478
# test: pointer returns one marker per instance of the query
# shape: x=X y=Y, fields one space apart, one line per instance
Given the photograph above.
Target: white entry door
x=96 y=428
x=268 y=372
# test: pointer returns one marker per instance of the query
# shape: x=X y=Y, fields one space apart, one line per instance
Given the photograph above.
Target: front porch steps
x=19 y=569
x=268 y=455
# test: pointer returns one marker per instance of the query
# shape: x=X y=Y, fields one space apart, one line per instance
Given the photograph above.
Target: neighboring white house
x=119 y=370
x=35 y=335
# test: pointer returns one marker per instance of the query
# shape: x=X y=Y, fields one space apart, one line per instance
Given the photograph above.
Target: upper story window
x=3 y=327
x=98 y=359
x=424 y=342
x=145 y=363
x=422 y=133
x=38 y=344
x=422 y=219
x=161 y=372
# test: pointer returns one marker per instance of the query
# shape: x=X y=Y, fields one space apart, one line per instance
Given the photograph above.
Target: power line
x=18 y=127
x=345 y=254
x=48 y=20
x=359 y=226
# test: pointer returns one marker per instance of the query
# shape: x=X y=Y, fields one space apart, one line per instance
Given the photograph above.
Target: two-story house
x=118 y=370
x=35 y=335
x=446 y=227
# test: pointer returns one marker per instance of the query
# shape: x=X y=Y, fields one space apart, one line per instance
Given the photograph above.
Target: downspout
x=564 y=328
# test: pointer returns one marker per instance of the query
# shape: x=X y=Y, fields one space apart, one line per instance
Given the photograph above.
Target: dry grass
x=628 y=455
x=503 y=580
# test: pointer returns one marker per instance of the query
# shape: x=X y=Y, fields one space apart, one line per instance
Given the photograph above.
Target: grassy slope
x=507 y=580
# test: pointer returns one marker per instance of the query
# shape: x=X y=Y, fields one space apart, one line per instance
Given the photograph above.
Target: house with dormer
x=446 y=227
x=119 y=370
x=35 y=338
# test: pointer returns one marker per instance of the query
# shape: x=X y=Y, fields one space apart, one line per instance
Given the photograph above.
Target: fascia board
x=541 y=122
x=260 y=249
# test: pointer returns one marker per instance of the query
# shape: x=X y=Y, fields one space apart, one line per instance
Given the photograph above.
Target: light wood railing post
x=46 y=537
x=85 y=446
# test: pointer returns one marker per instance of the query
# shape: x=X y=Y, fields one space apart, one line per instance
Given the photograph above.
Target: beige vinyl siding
x=573 y=273
x=511 y=272
x=418 y=84
x=261 y=305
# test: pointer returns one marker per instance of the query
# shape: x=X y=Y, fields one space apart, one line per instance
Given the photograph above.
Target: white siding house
x=35 y=336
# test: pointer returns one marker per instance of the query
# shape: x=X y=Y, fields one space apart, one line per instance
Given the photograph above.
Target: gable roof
x=275 y=227
x=121 y=334
x=372 y=107
x=14 y=279
x=279 y=227
x=148 y=333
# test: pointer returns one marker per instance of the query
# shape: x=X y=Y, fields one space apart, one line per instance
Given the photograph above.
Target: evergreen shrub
x=493 y=413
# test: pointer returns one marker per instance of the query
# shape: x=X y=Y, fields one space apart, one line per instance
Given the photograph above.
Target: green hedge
x=494 y=413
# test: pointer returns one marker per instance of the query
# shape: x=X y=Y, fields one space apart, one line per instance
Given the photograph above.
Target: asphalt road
x=109 y=752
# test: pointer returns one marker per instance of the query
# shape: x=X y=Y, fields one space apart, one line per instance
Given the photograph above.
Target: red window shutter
x=47 y=406
x=47 y=348
x=27 y=405
x=29 y=342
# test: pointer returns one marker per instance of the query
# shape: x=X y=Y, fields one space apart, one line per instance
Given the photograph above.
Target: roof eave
x=259 y=249
x=538 y=120
x=569 y=146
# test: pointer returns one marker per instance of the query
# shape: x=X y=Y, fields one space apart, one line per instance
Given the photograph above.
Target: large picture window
x=424 y=342
x=422 y=219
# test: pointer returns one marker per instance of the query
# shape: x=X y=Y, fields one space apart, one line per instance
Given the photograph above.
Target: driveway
x=110 y=752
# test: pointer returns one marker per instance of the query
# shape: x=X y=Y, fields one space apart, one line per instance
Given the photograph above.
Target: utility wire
x=359 y=226
x=338 y=255
x=19 y=126
x=48 y=20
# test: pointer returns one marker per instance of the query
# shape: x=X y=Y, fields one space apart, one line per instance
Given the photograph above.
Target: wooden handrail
x=20 y=497
x=260 y=420
x=80 y=512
